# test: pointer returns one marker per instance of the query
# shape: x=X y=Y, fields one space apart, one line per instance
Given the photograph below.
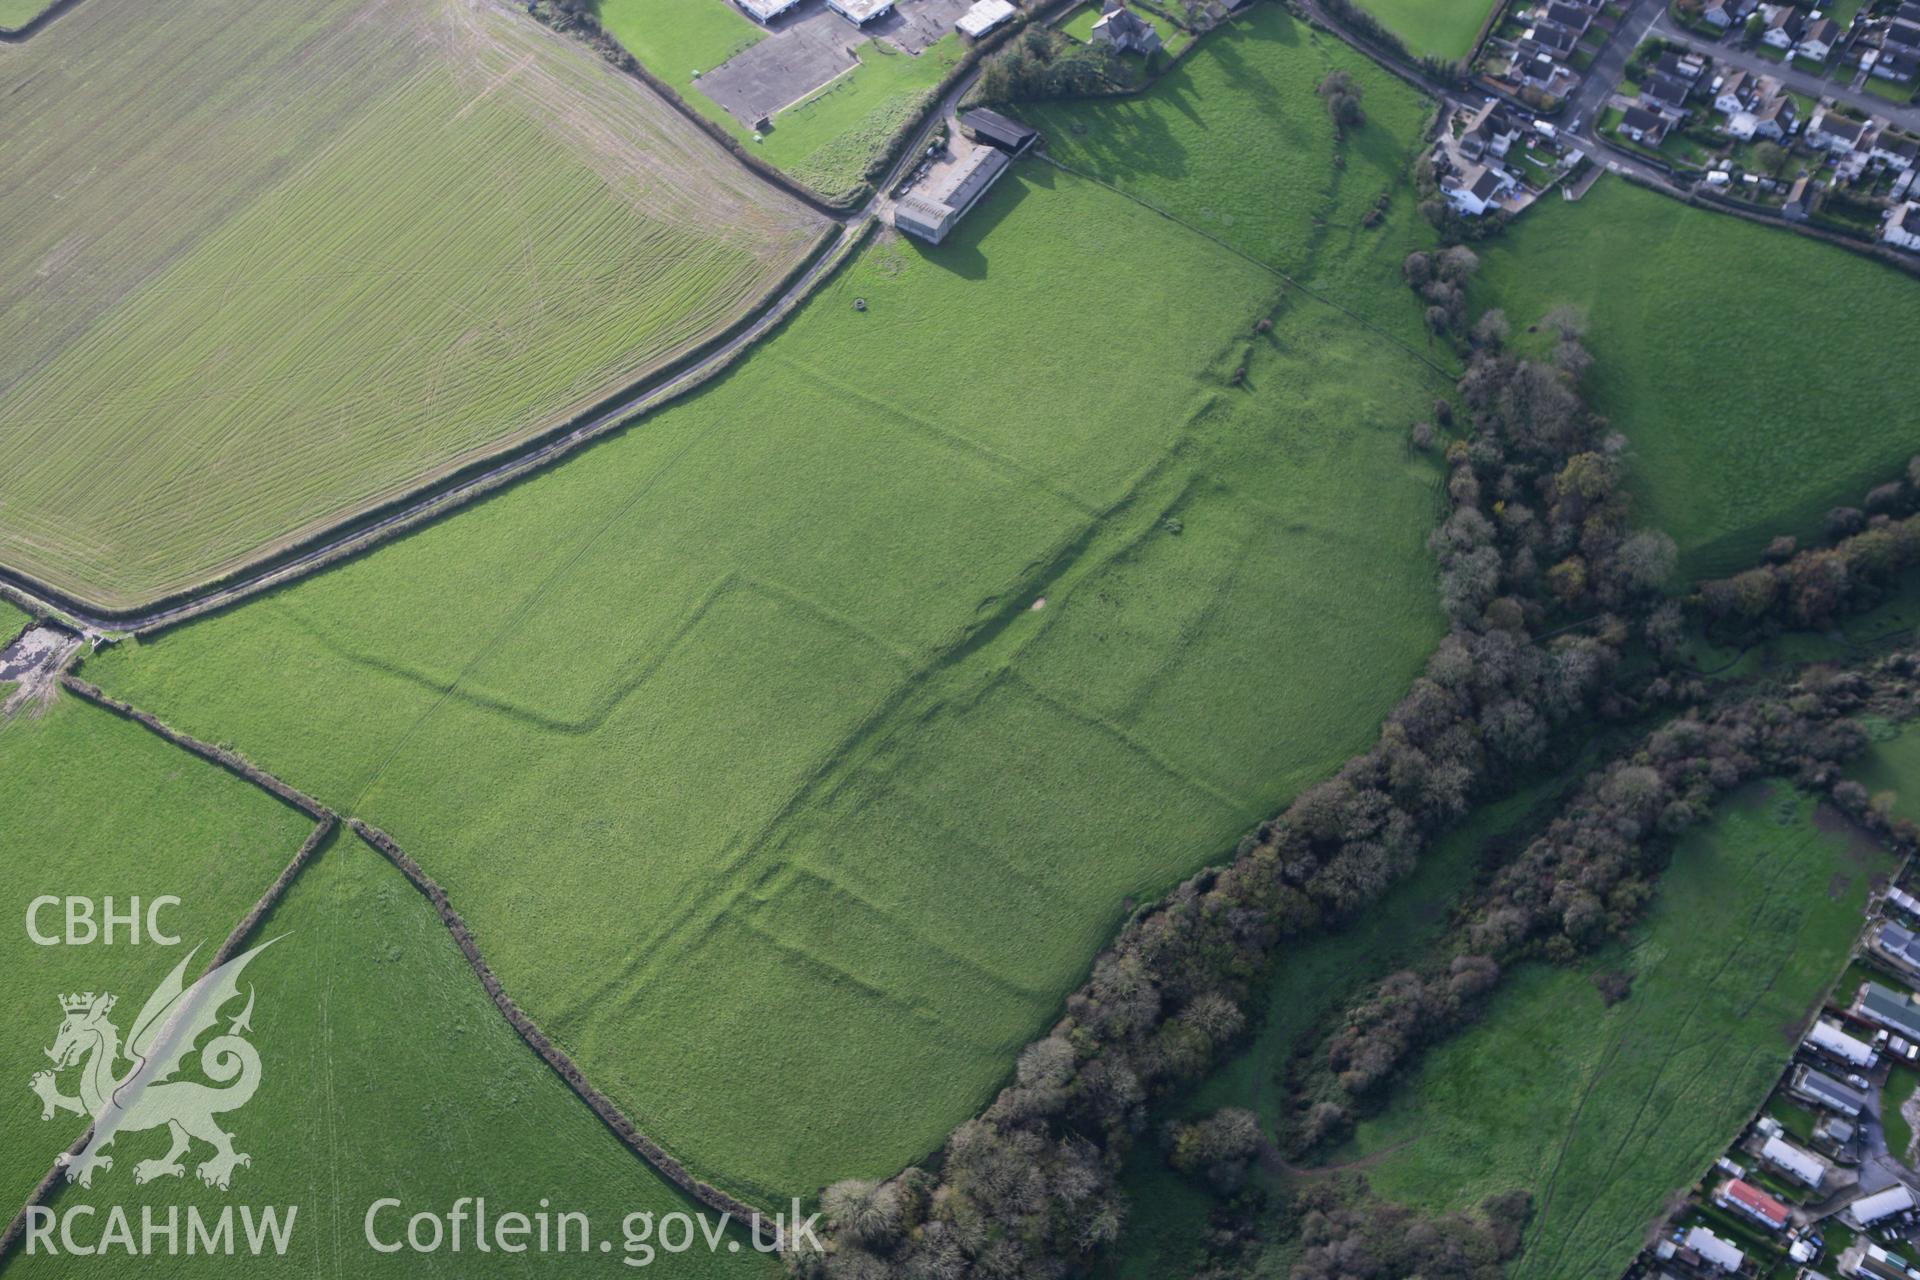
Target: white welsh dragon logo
x=162 y=1037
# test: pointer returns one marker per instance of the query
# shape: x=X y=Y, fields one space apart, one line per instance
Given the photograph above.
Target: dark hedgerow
x=1543 y=584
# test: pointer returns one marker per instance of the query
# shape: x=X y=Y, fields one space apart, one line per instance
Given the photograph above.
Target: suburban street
x=1906 y=116
x=1590 y=99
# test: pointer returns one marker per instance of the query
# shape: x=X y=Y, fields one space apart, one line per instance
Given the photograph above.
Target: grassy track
x=1734 y=440
x=91 y=805
x=386 y=1072
x=324 y=254
x=1433 y=28
x=1235 y=142
x=737 y=741
x=1602 y=1113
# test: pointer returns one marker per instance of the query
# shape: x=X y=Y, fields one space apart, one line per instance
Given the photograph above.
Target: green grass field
x=1892 y=763
x=677 y=38
x=18 y=13
x=738 y=741
x=325 y=254
x=1604 y=1113
x=1901 y=1085
x=829 y=140
x=1433 y=28
x=12 y=619
x=387 y=1073
x=91 y=806
x=1235 y=142
x=1312 y=979
x=1733 y=441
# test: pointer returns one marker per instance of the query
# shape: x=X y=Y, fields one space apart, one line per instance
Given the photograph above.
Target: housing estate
x=1868 y=1210
x=1793 y=1162
x=1852 y=1053
x=1750 y=1202
x=1716 y=1252
x=1902 y=228
x=1885 y=1007
x=1822 y=1090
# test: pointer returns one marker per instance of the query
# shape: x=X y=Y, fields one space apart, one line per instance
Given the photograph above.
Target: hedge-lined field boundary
x=361 y=530
x=15 y=35
x=555 y=1057
x=325 y=824
x=50 y=1182
x=231 y=761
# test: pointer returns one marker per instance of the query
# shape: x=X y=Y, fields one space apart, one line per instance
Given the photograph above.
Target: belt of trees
x=1543 y=583
x=1870 y=546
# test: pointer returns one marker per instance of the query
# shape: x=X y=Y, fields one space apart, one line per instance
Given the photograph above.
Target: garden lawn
x=1080 y=26
x=1235 y=142
x=1730 y=446
x=1604 y=1113
x=386 y=1072
x=1902 y=1084
x=738 y=739
x=1433 y=28
x=1892 y=92
x=92 y=805
x=327 y=253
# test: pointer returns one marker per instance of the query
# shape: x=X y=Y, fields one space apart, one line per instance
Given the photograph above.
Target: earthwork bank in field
x=1235 y=143
x=745 y=741
x=266 y=266
x=1732 y=443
